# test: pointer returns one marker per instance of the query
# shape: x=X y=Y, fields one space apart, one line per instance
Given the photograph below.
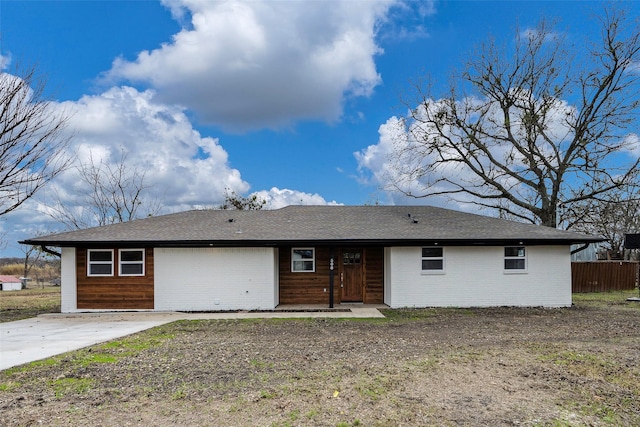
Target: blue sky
x=283 y=98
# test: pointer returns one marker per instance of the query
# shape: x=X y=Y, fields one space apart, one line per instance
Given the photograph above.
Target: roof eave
x=317 y=242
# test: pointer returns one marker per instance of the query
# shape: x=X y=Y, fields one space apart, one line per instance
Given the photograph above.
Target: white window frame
x=121 y=263
x=431 y=258
x=90 y=263
x=516 y=257
x=312 y=259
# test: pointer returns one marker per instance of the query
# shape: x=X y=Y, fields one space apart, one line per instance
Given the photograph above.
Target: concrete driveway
x=28 y=340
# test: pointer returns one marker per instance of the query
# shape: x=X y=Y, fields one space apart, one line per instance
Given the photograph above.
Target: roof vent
x=231 y=220
x=413 y=220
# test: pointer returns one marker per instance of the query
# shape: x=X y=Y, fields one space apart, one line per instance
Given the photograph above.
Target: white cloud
x=184 y=169
x=406 y=21
x=632 y=144
x=5 y=61
x=378 y=166
x=278 y=198
x=182 y=166
x=398 y=162
x=248 y=65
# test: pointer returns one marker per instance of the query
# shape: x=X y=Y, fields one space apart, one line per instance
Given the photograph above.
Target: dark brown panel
x=114 y=292
x=309 y=288
x=604 y=276
x=306 y=288
x=374 y=275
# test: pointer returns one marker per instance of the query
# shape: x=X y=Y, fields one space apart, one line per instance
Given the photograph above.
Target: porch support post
x=331 y=265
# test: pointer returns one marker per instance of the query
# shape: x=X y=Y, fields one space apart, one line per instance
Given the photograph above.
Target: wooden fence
x=602 y=276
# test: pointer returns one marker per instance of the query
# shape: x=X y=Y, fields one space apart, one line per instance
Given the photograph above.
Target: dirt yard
x=534 y=367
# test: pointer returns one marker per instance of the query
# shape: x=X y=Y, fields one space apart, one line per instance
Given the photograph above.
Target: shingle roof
x=321 y=224
x=9 y=279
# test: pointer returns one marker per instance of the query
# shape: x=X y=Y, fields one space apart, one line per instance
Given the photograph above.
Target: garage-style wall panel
x=215 y=279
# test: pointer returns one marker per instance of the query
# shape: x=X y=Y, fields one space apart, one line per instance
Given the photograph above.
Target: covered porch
x=320 y=276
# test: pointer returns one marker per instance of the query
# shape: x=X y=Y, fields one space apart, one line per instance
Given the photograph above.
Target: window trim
x=121 y=263
x=90 y=263
x=312 y=259
x=515 y=270
x=441 y=258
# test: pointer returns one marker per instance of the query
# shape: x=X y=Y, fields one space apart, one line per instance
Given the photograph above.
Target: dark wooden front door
x=352 y=276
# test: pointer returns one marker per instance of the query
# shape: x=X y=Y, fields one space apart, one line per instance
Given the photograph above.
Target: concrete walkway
x=28 y=340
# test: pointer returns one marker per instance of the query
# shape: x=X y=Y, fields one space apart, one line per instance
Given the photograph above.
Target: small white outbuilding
x=10 y=283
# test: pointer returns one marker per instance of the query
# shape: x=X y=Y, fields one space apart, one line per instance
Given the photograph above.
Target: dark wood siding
x=374 y=275
x=114 y=292
x=309 y=288
x=303 y=287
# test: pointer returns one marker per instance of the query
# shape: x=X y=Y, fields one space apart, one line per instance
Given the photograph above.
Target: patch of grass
x=44 y=363
x=9 y=385
x=138 y=342
x=260 y=364
x=374 y=388
x=594 y=409
x=279 y=320
x=575 y=359
x=597 y=376
x=68 y=385
x=593 y=366
x=237 y=406
x=424 y=365
x=267 y=394
x=294 y=415
x=179 y=394
x=616 y=299
x=408 y=314
x=110 y=352
x=313 y=413
x=418 y=314
x=89 y=358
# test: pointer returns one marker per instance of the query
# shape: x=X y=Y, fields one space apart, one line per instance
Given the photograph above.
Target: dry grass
x=30 y=302
x=44 y=271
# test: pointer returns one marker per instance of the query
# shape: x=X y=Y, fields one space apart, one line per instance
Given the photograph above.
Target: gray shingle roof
x=321 y=224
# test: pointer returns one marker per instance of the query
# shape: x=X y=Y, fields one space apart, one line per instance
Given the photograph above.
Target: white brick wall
x=203 y=279
x=247 y=278
x=475 y=277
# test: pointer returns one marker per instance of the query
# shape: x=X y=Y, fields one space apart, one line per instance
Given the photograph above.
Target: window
x=515 y=258
x=349 y=258
x=131 y=262
x=303 y=260
x=100 y=262
x=433 y=260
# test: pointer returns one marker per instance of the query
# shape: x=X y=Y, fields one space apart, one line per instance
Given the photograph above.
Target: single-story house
x=401 y=256
x=10 y=283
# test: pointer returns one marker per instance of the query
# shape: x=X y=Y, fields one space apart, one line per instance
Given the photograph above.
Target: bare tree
x=611 y=219
x=32 y=140
x=524 y=132
x=233 y=201
x=107 y=194
x=32 y=254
